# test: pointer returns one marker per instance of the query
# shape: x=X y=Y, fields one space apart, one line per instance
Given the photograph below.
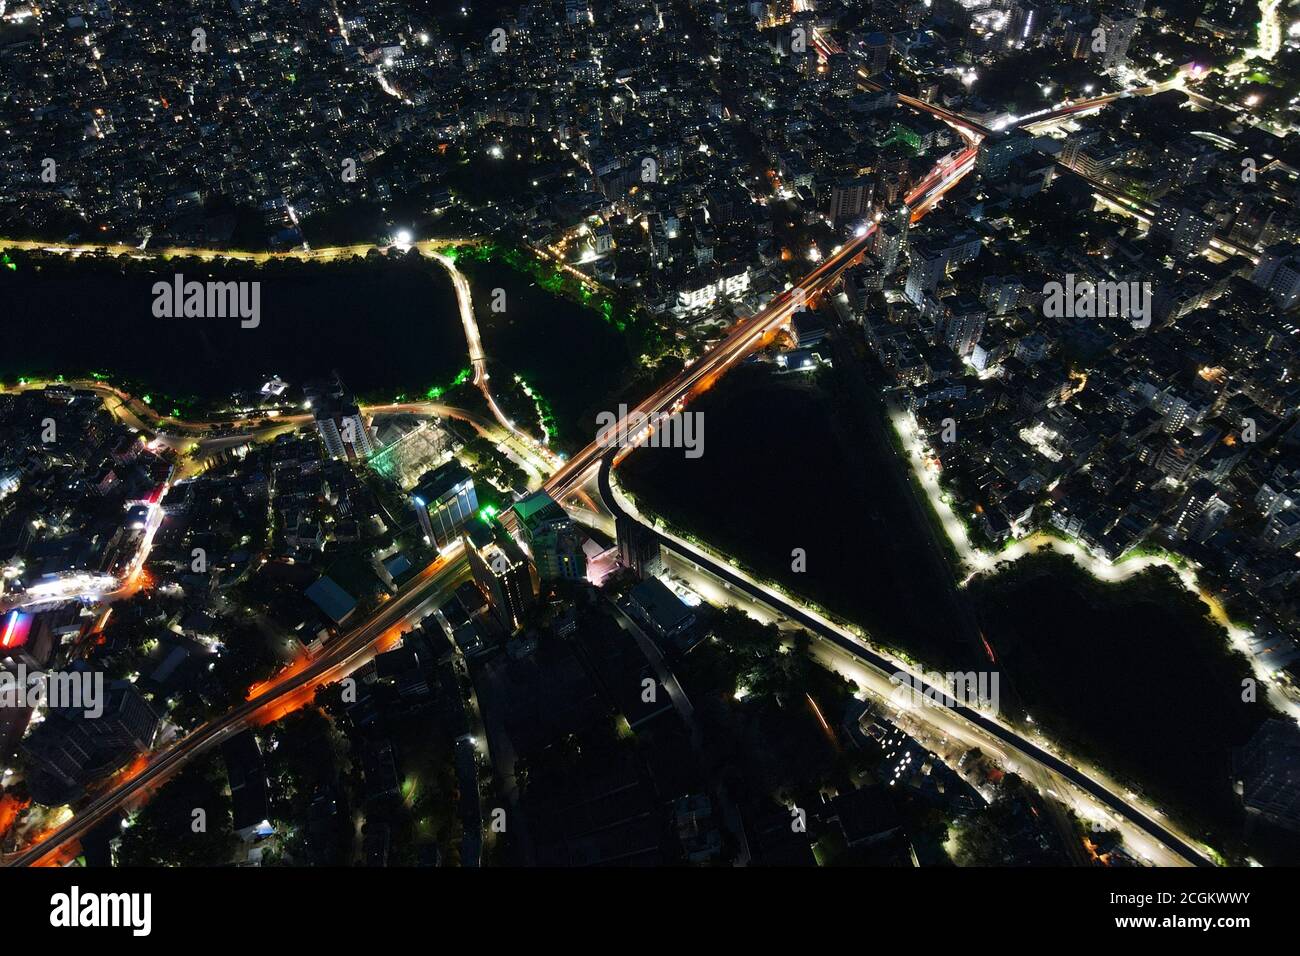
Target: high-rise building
x=862 y=281
x=843 y=74
x=552 y=537
x=926 y=268
x=997 y=152
x=876 y=48
x=850 y=199
x=344 y=430
x=887 y=243
x=1278 y=274
x=638 y=548
x=932 y=257
x=25 y=640
x=1119 y=30
x=577 y=12
x=444 y=501
x=1267 y=772
x=1201 y=510
x=965 y=324
x=501 y=572
x=71 y=748
x=1188 y=228
x=1002 y=294
x=1026 y=21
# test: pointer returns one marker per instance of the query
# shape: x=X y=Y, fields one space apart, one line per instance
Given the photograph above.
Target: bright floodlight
x=404 y=237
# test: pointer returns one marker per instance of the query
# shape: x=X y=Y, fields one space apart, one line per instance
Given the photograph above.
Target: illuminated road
x=747 y=336
x=567 y=481
x=285 y=693
x=1152 y=837
x=1126 y=204
x=543 y=458
x=181 y=435
x=108 y=587
x=750 y=333
x=976 y=132
x=344 y=652
x=329 y=254
x=1268 y=36
x=1045 y=118
x=136 y=413
x=971 y=130
x=982 y=729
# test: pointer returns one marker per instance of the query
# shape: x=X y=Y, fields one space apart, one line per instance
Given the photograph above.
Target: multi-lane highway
x=750 y=333
x=349 y=649
x=981 y=726
x=565 y=482
x=747 y=336
x=1128 y=205
x=295 y=686
x=743 y=339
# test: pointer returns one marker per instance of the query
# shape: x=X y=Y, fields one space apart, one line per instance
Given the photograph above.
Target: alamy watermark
x=975 y=689
x=58 y=690
x=74 y=909
x=208 y=300
x=1087 y=299
x=635 y=429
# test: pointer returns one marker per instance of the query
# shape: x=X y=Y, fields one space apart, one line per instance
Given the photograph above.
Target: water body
x=1134 y=676
x=566 y=352
x=787 y=466
x=388 y=327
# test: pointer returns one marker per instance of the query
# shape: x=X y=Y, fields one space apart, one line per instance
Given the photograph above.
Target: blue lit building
x=444 y=500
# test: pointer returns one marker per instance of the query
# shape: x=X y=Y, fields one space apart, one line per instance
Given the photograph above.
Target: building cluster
x=77 y=492
x=654 y=143
x=1093 y=333
x=1111 y=356
x=79 y=497
x=202 y=123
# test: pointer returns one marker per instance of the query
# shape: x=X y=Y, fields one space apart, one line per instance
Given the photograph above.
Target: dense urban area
x=650 y=432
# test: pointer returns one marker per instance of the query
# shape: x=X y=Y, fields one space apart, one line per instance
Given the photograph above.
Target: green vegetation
x=307 y=757
x=997 y=836
x=436 y=392
x=245 y=661
x=545 y=415
x=762 y=699
x=615 y=308
x=491 y=468
x=170 y=830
